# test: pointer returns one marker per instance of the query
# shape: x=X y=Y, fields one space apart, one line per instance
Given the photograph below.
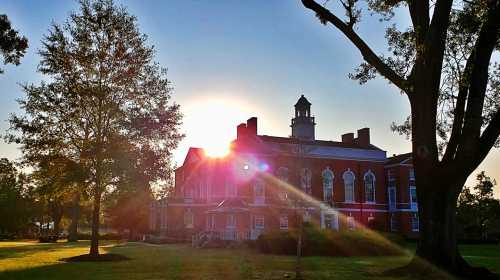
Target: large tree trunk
x=437 y=217
x=75 y=216
x=94 y=240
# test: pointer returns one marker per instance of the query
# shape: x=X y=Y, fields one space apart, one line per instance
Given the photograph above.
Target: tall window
x=188 y=219
x=259 y=191
x=305 y=180
x=414 y=222
x=284 y=222
x=392 y=197
x=230 y=221
x=348 y=185
x=413 y=197
x=282 y=174
x=369 y=187
x=327 y=175
x=210 y=222
x=258 y=222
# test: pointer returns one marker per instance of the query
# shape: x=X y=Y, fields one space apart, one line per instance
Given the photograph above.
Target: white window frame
x=392 y=206
x=413 y=204
x=284 y=222
x=352 y=187
x=230 y=221
x=261 y=224
x=259 y=198
x=369 y=173
x=305 y=180
x=210 y=222
x=327 y=188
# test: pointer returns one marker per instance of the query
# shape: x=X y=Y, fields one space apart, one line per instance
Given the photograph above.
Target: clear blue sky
x=254 y=58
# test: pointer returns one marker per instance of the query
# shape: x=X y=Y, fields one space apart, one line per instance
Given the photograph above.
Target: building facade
x=275 y=183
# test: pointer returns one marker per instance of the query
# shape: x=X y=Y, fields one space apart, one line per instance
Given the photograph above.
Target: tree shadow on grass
x=68 y=269
x=25 y=250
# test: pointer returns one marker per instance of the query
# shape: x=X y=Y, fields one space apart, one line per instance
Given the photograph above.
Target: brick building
x=274 y=183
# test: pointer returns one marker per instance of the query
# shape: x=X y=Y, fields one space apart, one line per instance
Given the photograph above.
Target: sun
x=211 y=124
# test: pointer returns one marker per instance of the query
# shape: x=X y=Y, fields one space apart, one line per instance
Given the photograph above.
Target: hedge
x=318 y=242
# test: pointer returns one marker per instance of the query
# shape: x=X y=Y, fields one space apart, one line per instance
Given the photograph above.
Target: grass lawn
x=29 y=260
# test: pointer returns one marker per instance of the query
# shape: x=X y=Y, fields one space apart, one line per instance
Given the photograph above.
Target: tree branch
x=478 y=82
x=488 y=139
x=368 y=55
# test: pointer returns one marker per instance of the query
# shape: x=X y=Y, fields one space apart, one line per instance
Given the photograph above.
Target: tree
x=443 y=64
x=106 y=99
x=14 y=200
x=12 y=46
x=478 y=212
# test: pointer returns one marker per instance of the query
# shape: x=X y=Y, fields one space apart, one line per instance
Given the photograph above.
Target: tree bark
x=94 y=239
x=437 y=216
x=75 y=216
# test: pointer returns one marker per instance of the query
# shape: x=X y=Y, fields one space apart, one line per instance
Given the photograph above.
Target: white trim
x=374 y=186
x=348 y=171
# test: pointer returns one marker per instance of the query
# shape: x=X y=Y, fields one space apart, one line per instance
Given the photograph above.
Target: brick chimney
x=252 y=126
x=348 y=137
x=364 y=137
x=241 y=131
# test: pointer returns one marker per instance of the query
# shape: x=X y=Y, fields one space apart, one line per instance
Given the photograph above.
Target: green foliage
x=478 y=212
x=12 y=46
x=17 y=206
x=104 y=119
x=317 y=242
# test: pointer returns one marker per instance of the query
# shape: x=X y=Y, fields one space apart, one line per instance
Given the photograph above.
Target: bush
x=317 y=242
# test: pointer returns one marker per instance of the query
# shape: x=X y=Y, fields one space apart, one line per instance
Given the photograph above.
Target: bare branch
x=368 y=55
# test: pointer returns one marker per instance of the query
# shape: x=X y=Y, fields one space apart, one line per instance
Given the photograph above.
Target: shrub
x=318 y=242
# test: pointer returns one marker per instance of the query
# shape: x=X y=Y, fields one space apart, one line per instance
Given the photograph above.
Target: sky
x=232 y=60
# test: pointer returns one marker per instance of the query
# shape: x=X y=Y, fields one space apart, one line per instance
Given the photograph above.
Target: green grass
x=30 y=260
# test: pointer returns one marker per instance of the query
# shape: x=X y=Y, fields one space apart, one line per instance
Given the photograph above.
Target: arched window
x=328 y=176
x=369 y=186
x=348 y=185
x=305 y=180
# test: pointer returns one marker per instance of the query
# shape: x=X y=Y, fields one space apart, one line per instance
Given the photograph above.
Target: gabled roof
x=288 y=140
x=400 y=159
